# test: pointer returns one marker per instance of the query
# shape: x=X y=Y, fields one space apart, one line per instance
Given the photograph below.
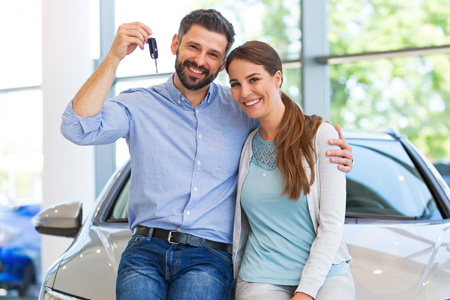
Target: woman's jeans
x=151 y=268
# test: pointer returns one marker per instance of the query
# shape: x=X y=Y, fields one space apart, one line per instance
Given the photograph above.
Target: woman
x=287 y=236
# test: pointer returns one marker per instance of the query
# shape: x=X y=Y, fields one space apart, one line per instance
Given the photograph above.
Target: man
x=185 y=138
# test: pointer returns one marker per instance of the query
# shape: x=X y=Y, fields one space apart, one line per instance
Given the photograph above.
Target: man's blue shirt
x=184 y=161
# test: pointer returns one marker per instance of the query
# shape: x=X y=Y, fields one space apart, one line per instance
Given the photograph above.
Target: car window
x=385 y=182
x=120 y=209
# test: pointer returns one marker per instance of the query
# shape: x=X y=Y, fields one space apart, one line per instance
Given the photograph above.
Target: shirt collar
x=176 y=97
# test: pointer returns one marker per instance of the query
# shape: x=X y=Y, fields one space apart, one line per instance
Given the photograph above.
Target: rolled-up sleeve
x=112 y=123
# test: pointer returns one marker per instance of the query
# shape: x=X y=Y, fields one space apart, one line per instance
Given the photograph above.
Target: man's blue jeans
x=152 y=269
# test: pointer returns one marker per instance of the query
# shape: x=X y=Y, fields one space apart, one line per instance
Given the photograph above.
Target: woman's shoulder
x=326 y=131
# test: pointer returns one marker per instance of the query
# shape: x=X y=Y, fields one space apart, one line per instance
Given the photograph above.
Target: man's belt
x=176 y=237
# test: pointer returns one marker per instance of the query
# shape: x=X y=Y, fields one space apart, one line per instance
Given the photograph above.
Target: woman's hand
x=302 y=296
x=343 y=157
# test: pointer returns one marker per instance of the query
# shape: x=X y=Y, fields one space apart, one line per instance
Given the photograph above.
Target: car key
x=153 y=51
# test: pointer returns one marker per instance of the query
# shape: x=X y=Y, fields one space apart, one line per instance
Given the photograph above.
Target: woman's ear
x=175 y=44
x=278 y=79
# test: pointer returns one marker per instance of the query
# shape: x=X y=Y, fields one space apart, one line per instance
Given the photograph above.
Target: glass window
x=291 y=83
x=21 y=146
x=365 y=26
x=409 y=94
x=385 y=182
x=21 y=51
x=443 y=168
x=120 y=209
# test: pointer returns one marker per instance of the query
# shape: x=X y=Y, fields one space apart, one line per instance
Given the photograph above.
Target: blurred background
x=384 y=63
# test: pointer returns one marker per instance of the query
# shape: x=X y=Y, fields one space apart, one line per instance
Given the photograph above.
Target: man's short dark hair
x=210 y=19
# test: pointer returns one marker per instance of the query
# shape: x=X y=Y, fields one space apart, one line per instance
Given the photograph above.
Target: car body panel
x=388 y=271
x=412 y=262
x=98 y=250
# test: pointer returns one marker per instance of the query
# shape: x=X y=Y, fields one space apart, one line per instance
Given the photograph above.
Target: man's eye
x=254 y=79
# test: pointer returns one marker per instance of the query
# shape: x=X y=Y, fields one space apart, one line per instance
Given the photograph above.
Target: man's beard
x=190 y=82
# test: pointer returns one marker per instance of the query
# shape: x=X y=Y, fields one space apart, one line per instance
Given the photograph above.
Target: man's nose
x=200 y=59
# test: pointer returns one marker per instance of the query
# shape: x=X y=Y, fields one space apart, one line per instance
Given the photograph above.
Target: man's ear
x=175 y=44
x=222 y=67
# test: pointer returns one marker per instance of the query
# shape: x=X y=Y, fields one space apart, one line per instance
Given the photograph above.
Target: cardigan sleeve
x=329 y=212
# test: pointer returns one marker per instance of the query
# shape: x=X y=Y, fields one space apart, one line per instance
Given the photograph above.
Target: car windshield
x=385 y=182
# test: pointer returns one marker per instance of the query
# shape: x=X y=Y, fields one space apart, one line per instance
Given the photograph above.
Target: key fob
x=153 y=48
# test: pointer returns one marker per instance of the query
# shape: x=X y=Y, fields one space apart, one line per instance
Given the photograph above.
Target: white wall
x=68 y=173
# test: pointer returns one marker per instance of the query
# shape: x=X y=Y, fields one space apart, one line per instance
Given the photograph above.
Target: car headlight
x=50 y=294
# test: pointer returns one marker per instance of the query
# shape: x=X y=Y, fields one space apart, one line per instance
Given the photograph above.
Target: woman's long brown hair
x=295 y=137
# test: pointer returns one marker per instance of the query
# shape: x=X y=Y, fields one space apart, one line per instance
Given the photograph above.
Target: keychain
x=153 y=51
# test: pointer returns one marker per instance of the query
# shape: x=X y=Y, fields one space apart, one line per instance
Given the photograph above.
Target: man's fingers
x=339 y=131
x=339 y=142
x=344 y=169
x=144 y=30
x=342 y=161
x=136 y=33
x=343 y=156
x=144 y=27
x=128 y=32
x=345 y=165
x=343 y=153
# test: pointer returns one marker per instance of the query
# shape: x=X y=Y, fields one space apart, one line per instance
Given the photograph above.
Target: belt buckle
x=170 y=236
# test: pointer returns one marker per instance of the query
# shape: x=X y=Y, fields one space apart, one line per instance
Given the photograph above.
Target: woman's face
x=253 y=88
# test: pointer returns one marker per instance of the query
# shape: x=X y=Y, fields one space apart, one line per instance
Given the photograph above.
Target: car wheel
x=28 y=278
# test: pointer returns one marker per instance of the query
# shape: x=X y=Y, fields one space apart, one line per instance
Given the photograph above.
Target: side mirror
x=60 y=220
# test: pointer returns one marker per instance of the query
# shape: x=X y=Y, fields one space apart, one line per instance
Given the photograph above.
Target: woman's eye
x=254 y=79
x=234 y=84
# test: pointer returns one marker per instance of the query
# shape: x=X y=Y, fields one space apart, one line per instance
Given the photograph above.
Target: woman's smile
x=251 y=102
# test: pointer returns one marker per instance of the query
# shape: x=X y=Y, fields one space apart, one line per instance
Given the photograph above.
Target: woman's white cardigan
x=326 y=203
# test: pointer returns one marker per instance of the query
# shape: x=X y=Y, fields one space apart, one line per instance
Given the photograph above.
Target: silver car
x=397 y=228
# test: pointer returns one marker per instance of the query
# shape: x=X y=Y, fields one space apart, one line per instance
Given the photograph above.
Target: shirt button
x=182 y=98
x=196 y=111
x=179 y=229
x=199 y=136
x=188 y=212
x=195 y=189
x=199 y=163
x=179 y=102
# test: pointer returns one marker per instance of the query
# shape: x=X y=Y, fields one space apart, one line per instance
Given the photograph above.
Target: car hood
x=404 y=260
x=89 y=267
